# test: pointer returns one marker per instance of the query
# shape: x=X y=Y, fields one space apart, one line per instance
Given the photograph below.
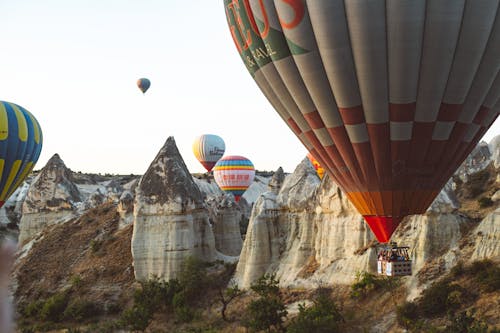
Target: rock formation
x=170 y=220
x=126 y=208
x=309 y=232
x=487 y=238
x=226 y=226
x=52 y=198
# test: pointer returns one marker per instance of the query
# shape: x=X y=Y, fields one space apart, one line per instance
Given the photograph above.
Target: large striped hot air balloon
x=234 y=174
x=319 y=169
x=389 y=95
x=20 y=146
x=143 y=84
x=208 y=149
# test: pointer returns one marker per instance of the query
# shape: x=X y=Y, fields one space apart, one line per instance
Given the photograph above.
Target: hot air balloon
x=143 y=84
x=208 y=149
x=319 y=169
x=234 y=174
x=20 y=146
x=389 y=95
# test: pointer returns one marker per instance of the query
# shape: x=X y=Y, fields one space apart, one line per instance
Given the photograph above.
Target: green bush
x=441 y=297
x=76 y=282
x=322 y=317
x=465 y=323
x=367 y=282
x=193 y=278
x=181 y=308
x=486 y=273
x=53 y=308
x=33 y=309
x=407 y=314
x=269 y=310
x=137 y=318
x=79 y=310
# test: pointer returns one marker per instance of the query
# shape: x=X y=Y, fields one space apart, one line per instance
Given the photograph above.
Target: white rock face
x=170 y=220
x=300 y=232
x=126 y=208
x=51 y=199
x=487 y=242
x=309 y=232
x=494 y=146
x=226 y=226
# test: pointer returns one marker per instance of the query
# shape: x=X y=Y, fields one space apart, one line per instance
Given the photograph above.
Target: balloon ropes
x=389 y=96
x=208 y=149
x=234 y=174
x=143 y=84
x=20 y=146
x=319 y=169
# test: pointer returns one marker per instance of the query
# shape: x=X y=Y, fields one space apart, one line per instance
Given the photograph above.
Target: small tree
x=322 y=317
x=226 y=297
x=267 y=312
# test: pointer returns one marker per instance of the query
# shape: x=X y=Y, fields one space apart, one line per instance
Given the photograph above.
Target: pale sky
x=74 y=65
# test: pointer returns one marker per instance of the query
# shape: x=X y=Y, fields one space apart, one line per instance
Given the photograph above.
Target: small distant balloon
x=234 y=174
x=208 y=149
x=20 y=146
x=319 y=169
x=143 y=84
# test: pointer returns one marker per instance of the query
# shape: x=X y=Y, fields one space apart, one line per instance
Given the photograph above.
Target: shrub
x=76 y=282
x=322 y=317
x=367 y=282
x=269 y=310
x=33 y=309
x=193 y=278
x=53 y=308
x=407 y=314
x=440 y=298
x=181 y=309
x=465 y=323
x=79 y=310
x=137 y=318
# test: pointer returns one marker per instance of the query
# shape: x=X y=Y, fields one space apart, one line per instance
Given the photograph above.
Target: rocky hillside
x=92 y=238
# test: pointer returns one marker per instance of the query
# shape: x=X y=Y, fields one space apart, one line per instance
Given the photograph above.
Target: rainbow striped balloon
x=20 y=146
x=234 y=174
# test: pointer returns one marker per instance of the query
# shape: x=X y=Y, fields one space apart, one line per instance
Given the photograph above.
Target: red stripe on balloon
x=380 y=146
x=449 y=112
x=353 y=115
x=293 y=125
x=481 y=115
x=344 y=146
x=314 y=120
x=402 y=112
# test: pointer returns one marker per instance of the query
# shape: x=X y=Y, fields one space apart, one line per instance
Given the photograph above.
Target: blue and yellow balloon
x=20 y=146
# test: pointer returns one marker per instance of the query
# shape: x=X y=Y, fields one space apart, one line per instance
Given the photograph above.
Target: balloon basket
x=393 y=260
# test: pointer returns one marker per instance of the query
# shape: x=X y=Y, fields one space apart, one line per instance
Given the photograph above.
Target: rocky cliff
x=307 y=232
x=170 y=219
x=51 y=198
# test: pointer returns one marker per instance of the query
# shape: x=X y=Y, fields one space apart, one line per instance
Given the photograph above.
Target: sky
x=74 y=65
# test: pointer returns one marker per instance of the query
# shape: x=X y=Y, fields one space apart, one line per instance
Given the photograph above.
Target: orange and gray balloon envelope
x=390 y=95
x=143 y=84
x=208 y=149
x=20 y=146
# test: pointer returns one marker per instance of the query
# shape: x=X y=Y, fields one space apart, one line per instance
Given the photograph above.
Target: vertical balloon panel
x=389 y=95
